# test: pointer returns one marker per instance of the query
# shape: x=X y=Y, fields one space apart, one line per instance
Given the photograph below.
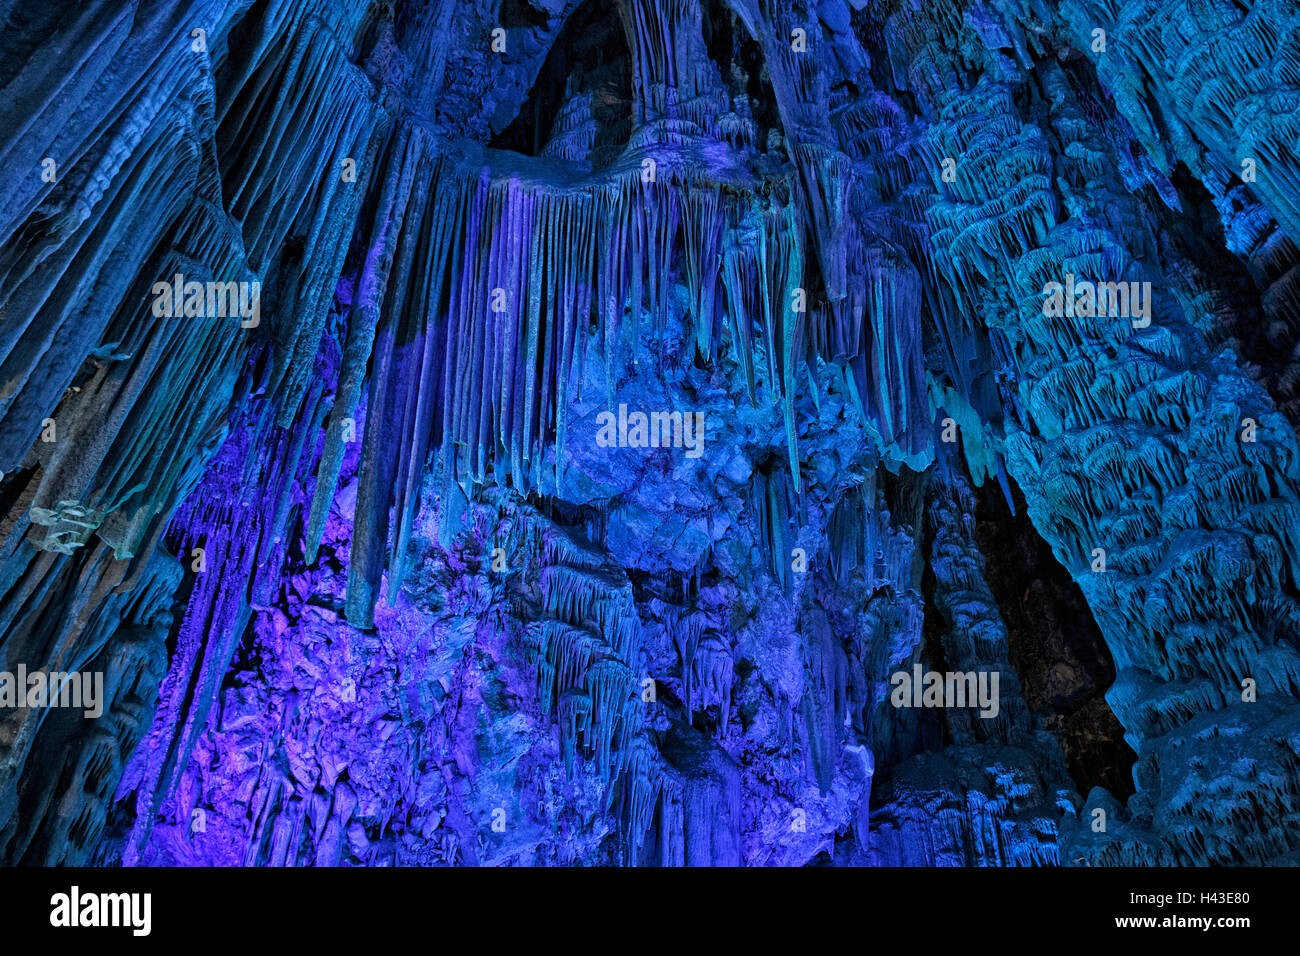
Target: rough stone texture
x=368 y=587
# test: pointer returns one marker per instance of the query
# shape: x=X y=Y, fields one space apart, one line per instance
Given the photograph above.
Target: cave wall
x=369 y=583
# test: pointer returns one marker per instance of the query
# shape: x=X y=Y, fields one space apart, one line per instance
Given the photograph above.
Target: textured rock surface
x=368 y=582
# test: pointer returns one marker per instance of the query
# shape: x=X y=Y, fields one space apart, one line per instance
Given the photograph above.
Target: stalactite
x=828 y=229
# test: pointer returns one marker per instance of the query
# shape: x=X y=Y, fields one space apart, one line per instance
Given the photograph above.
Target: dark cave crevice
x=1055 y=646
x=520 y=14
x=590 y=55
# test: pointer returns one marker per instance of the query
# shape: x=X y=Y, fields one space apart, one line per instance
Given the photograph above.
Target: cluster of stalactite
x=843 y=273
x=1135 y=443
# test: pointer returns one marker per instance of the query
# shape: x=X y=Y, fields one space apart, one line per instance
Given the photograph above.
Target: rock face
x=554 y=432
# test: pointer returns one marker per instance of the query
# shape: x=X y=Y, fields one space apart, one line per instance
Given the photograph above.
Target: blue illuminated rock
x=535 y=433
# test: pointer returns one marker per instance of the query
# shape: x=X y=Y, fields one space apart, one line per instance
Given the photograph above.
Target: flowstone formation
x=651 y=432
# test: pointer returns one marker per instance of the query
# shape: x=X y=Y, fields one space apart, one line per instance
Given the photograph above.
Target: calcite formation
x=537 y=432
